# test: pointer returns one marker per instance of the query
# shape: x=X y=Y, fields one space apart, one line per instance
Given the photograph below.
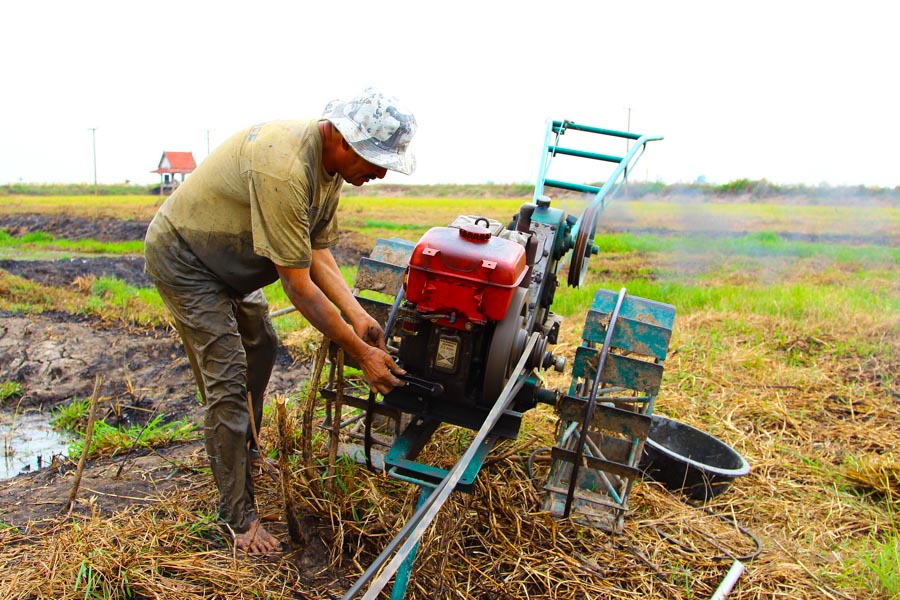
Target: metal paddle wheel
x=604 y=420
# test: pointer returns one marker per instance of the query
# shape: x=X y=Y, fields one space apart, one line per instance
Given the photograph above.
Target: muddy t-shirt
x=261 y=198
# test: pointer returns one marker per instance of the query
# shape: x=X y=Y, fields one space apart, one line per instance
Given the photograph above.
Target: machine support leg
x=401 y=580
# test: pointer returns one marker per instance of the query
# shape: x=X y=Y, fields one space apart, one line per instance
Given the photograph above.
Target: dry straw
x=810 y=499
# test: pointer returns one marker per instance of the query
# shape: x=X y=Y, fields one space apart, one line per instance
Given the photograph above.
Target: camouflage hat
x=378 y=128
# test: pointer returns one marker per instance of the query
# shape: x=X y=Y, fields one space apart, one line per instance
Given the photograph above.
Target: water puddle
x=28 y=442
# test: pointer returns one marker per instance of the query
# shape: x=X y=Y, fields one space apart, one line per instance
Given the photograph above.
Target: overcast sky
x=789 y=91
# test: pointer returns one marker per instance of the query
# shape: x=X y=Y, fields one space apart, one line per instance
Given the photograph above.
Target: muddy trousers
x=231 y=345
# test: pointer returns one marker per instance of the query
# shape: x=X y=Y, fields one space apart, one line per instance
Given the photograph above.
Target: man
x=260 y=208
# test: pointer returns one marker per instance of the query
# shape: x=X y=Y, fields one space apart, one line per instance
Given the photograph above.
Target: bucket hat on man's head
x=377 y=127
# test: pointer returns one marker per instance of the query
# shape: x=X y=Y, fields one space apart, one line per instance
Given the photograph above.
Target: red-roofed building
x=172 y=164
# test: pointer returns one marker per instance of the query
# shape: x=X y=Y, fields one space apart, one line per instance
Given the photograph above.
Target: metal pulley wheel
x=507 y=345
x=584 y=246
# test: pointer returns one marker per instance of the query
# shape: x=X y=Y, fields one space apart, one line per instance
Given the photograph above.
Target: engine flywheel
x=507 y=345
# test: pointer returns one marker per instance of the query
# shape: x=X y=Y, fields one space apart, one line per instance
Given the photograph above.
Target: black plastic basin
x=684 y=458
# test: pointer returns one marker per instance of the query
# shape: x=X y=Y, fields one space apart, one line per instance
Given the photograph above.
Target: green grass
x=138 y=304
x=794 y=301
x=9 y=389
x=41 y=241
x=71 y=416
x=390 y=226
x=758 y=244
x=874 y=561
x=108 y=440
x=843 y=217
x=708 y=291
x=882 y=561
x=106 y=297
x=74 y=189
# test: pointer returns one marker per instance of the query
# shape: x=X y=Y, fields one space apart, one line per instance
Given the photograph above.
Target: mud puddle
x=29 y=443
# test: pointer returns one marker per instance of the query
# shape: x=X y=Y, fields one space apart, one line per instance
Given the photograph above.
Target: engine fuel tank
x=465 y=272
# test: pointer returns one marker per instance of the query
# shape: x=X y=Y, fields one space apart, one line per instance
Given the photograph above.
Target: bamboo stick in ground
x=285 y=435
x=86 y=449
x=309 y=406
x=335 y=432
x=264 y=461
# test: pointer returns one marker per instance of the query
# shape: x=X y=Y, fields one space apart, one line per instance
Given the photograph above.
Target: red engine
x=465 y=275
x=462 y=321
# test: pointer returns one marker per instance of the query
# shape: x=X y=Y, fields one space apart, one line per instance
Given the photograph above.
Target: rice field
x=786 y=347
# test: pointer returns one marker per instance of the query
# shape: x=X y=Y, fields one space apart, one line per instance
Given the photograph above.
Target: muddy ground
x=56 y=357
x=127 y=268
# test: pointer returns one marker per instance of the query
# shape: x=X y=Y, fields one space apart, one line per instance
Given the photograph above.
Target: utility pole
x=94 y=146
x=628 y=129
x=627 y=148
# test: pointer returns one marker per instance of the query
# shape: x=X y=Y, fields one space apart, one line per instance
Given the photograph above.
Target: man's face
x=356 y=170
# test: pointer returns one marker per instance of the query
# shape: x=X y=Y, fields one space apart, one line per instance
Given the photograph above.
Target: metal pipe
x=591 y=129
x=402 y=579
x=728 y=583
x=282 y=311
x=585 y=154
x=401 y=294
x=612 y=182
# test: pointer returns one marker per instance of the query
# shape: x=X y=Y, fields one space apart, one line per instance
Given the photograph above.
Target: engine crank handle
x=429 y=387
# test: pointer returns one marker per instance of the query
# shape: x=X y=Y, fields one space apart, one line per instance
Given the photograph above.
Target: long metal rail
x=412 y=532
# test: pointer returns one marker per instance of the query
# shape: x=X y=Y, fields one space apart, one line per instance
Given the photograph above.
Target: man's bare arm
x=316 y=306
x=326 y=274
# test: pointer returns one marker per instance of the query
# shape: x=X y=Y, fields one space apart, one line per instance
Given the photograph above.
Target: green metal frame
x=554 y=131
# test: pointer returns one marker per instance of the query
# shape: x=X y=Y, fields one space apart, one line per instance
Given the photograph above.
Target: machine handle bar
x=561 y=126
x=555 y=129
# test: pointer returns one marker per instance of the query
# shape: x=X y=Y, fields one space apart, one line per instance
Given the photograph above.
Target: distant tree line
x=76 y=189
x=740 y=190
x=743 y=190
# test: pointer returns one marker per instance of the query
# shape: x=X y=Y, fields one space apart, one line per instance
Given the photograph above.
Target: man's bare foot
x=264 y=464
x=256 y=540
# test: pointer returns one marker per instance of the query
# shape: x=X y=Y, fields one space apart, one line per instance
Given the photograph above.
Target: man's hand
x=370 y=331
x=379 y=369
x=314 y=290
